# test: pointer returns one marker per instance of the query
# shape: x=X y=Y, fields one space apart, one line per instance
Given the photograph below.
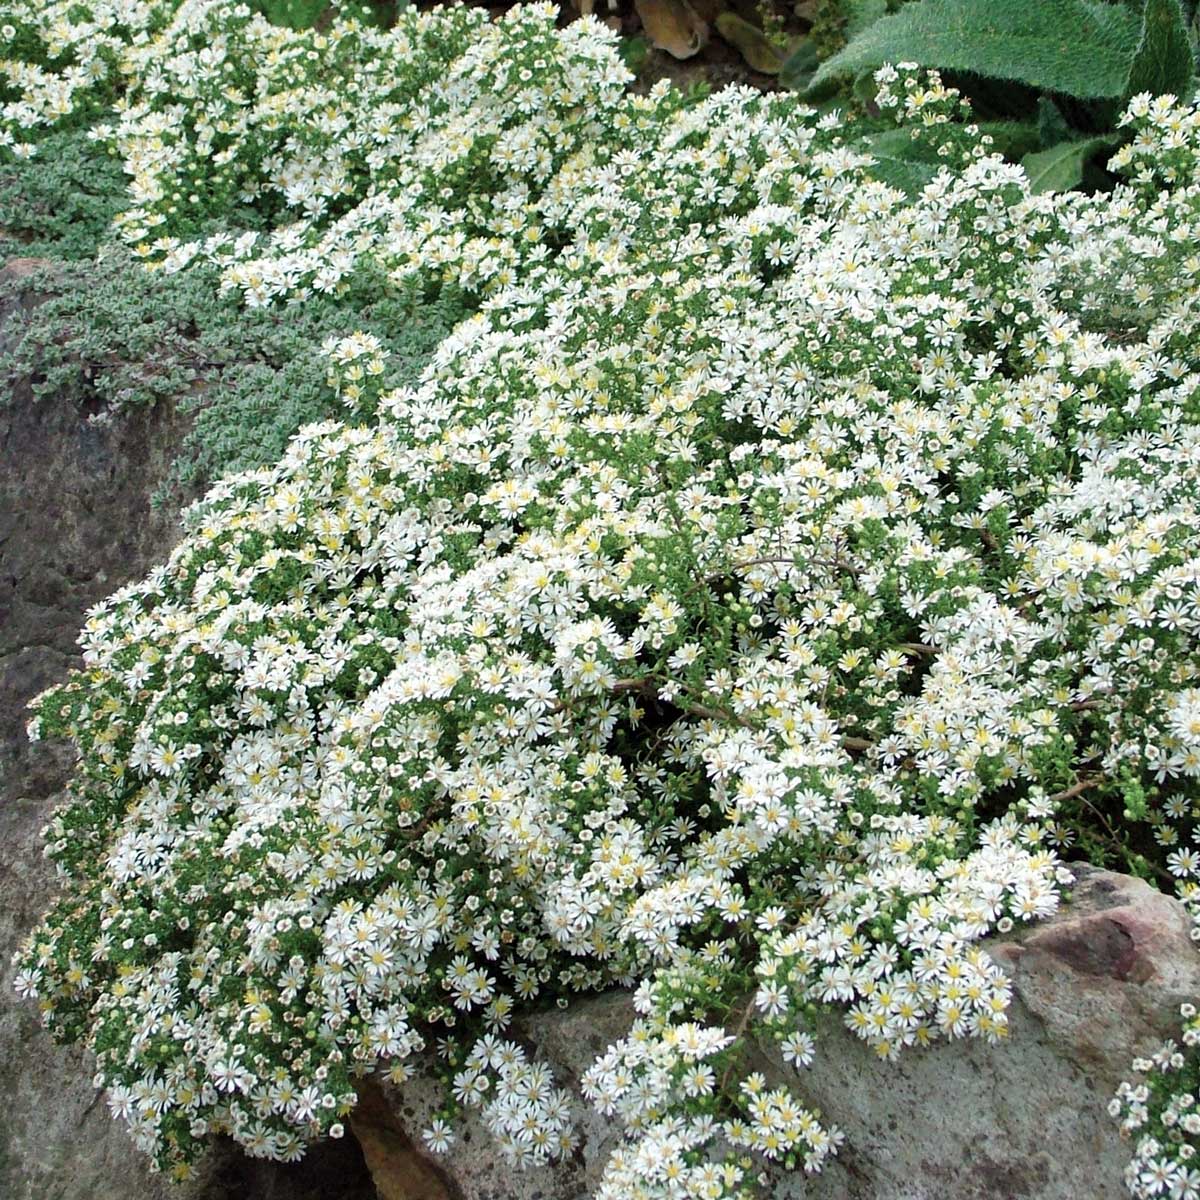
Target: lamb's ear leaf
x=900 y=162
x=1013 y=139
x=1060 y=168
x=865 y=90
x=1164 y=60
x=1052 y=126
x=1070 y=46
x=861 y=15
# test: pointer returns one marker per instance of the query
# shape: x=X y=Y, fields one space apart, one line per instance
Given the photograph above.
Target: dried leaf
x=673 y=26
x=754 y=46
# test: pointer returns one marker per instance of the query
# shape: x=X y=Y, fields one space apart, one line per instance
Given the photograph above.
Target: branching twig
x=1077 y=789
x=857 y=744
x=645 y=685
x=717 y=714
x=737 y=1032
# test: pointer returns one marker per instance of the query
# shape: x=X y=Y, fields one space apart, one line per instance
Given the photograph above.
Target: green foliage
x=634 y=51
x=908 y=159
x=1164 y=61
x=1091 y=56
x=800 y=66
x=60 y=203
x=1051 y=125
x=900 y=161
x=1013 y=139
x=828 y=33
x=1060 y=168
x=115 y=336
x=292 y=14
x=836 y=22
x=1023 y=42
x=861 y=14
x=306 y=14
x=1112 y=52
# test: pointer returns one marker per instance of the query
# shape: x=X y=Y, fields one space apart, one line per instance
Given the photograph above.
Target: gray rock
x=1093 y=987
x=389 y=1120
x=75 y=524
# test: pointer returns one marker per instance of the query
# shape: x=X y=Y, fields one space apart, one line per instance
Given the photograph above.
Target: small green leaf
x=909 y=163
x=1013 y=139
x=634 y=51
x=903 y=174
x=864 y=91
x=1052 y=126
x=1060 y=168
x=901 y=162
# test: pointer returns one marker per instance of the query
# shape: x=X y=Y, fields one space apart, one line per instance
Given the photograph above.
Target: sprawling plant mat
x=763 y=584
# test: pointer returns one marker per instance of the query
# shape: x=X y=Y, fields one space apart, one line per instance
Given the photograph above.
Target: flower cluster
x=747 y=604
x=425 y=146
x=1166 y=1106
x=61 y=62
x=663 y=1081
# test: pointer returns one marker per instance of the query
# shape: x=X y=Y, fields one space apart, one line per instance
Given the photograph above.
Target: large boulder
x=1093 y=987
x=75 y=524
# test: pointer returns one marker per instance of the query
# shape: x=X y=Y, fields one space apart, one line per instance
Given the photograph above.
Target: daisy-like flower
x=748 y=596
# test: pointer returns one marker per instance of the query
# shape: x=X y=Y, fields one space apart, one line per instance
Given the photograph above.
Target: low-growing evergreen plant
x=751 y=602
x=112 y=337
x=61 y=204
